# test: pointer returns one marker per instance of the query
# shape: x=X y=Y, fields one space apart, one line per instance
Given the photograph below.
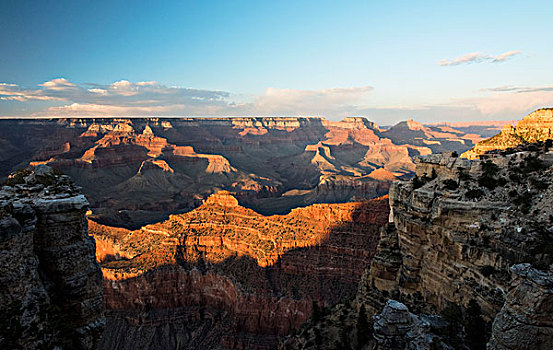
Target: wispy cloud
x=478 y=57
x=518 y=89
x=512 y=100
x=151 y=98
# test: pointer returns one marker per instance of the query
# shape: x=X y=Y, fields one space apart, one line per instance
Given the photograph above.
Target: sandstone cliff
x=536 y=126
x=224 y=276
x=456 y=229
x=140 y=170
x=50 y=283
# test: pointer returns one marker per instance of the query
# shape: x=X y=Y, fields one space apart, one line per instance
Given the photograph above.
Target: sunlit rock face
x=138 y=171
x=50 y=282
x=536 y=126
x=225 y=276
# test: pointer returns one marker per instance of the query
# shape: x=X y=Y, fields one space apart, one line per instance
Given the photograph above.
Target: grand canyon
x=276 y=175
x=202 y=245
x=136 y=171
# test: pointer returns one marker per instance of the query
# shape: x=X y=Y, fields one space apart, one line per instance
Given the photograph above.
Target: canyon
x=224 y=276
x=136 y=171
x=462 y=232
x=208 y=233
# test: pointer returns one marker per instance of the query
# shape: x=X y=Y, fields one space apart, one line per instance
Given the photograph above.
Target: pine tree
x=453 y=314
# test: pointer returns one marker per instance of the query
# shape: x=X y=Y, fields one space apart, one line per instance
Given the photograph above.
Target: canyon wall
x=459 y=225
x=462 y=235
x=526 y=320
x=136 y=171
x=224 y=276
x=50 y=282
x=536 y=126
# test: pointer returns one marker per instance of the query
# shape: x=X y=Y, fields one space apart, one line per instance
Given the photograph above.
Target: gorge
x=253 y=262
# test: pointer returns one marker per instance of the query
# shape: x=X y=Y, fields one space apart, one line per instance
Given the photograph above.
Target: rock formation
x=437 y=138
x=536 y=126
x=525 y=322
x=225 y=276
x=50 y=283
x=456 y=228
x=395 y=328
x=138 y=171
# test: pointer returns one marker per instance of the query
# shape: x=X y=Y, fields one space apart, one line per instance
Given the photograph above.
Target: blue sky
x=387 y=60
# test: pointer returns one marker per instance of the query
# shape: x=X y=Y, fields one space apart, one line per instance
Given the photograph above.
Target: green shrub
x=491 y=182
x=539 y=184
x=464 y=176
x=363 y=328
x=489 y=168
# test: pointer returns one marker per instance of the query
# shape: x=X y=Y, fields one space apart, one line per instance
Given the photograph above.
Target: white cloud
x=147 y=97
x=91 y=109
x=150 y=98
x=98 y=91
x=60 y=97
x=519 y=89
x=478 y=57
x=512 y=102
x=58 y=84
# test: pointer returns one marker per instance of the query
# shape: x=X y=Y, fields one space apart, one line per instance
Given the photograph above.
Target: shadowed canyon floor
x=225 y=276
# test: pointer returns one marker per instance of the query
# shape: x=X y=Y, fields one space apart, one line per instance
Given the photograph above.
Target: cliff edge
x=50 y=282
x=536 y=126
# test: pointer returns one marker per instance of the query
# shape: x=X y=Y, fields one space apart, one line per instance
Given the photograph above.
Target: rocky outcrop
x=536 y=126
x=250 y=276
x=457 y=230
x=435 y=137
x=50 y=283
x=395 y=328
x=525 y=322
x=140 y=170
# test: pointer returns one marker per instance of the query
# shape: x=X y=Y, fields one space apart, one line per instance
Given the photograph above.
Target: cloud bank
x=119 y=97
x=151 y=98
x=63 y=98
x=478 y=57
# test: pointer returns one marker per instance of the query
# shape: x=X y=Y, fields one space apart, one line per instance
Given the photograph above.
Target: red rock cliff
x=255 y=276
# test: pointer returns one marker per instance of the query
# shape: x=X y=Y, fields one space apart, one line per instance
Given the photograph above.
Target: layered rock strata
x=536 y=126
x=50 y=282
x=229 y=277
x=526 y=320
x=456 y=229
x=140 y=170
